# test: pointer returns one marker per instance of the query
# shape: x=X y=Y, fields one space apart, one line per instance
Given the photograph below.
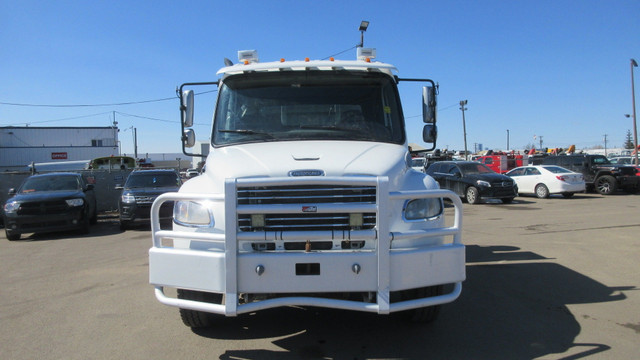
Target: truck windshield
x=308 y=105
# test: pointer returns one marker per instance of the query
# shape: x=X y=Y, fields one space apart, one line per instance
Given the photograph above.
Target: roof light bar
x=247 y=56
x=366 y=54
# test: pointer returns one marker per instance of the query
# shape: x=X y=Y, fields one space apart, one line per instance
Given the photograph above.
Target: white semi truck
x=308 y=198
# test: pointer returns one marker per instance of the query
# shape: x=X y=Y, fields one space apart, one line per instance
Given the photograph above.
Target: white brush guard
x=232 y=272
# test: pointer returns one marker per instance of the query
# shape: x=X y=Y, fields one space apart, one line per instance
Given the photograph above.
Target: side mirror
x=12 y=192
x=189 y=138
x=187 y=108
x=429 y=105
x=430 y=133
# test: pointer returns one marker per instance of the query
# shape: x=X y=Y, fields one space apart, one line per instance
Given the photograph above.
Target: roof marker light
x=282 y=60
x=331 y=59
x=306 y=59
x=248 y=56
x=366 y=53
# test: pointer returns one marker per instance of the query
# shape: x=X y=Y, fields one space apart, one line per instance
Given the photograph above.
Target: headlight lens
x=191 y=213
x=11 y=207
x=483 y=183
x=128 y=198
x=75 y=202
x=421 y=209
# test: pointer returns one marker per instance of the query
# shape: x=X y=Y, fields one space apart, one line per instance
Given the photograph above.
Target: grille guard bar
x=383 y=252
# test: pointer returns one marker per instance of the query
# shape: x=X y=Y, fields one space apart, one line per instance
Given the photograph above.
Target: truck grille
x=319 y=194
x=502 y=184
x=306 y=195
x=43 y=208
x=145 y=199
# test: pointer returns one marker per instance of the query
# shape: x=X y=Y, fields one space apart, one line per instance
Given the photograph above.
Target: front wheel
x=425 y=314
x=11 y=236
x=605 y=185
x=473 y=195
x=198 y=319
x=542 y=191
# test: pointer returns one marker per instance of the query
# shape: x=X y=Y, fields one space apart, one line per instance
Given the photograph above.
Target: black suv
x=473 y=181
x=599 y=173
x=140 y=190
x=50 y=202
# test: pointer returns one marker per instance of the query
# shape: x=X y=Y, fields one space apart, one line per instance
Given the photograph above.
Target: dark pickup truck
x=599 y=173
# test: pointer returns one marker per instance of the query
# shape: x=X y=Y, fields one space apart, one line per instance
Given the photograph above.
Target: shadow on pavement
x=507 y=310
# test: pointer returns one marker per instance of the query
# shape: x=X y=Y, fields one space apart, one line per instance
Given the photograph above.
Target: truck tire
x=605 y=185
x=472 y=195
x=542 y=191
x=11 y=236
x=198 y=319
x=425 y=314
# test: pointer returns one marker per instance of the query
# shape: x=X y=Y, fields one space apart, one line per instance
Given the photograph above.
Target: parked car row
x=62 y=201
x=474 y=182
x=562 y=174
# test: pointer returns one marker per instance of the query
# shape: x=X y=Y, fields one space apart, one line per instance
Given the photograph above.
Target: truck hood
x=304 y=158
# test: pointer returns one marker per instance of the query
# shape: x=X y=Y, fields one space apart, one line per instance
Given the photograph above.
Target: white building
x=19 y=146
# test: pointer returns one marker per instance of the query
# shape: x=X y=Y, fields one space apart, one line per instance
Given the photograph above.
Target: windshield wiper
x=246 y=131
x=327 y=127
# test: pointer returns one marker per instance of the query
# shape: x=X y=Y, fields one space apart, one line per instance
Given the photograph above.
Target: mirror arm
x=180 y=91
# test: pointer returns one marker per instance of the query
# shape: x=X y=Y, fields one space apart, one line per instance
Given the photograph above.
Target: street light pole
x=463 y=103
x=633 y=102
x=507 y=139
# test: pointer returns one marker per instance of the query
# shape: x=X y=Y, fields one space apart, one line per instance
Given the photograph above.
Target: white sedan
x=543 y=180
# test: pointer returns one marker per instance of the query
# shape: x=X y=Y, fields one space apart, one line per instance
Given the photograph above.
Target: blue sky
x=556 y=69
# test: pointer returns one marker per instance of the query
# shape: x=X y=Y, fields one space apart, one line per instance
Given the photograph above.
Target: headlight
x=75 y=202
x=191 y=213
x=11 y=207
x=421 y=209
x=128 y=198
x=483 y=183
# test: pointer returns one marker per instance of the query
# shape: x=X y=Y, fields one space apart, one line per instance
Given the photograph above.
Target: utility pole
x=463 y=103
x=507 y=139
x=605 y=144
x=135 y=143
x=633 y=102
x=540 y=142
x=115 y=132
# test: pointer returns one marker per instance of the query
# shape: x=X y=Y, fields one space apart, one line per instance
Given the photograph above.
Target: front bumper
x=628 y=181
x=224 y=269
x=497 y=193
x=72 y=219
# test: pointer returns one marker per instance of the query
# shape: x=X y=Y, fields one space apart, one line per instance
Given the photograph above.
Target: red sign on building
x=59 y=156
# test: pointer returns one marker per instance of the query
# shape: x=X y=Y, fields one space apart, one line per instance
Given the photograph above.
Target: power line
x=85 y=105
x=153 y=119
x=96 y=105
x=63 y=119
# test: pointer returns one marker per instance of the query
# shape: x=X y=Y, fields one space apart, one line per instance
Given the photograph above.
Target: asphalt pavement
x=546 y=279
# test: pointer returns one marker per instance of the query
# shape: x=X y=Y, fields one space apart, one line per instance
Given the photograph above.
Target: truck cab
x=309 y=198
